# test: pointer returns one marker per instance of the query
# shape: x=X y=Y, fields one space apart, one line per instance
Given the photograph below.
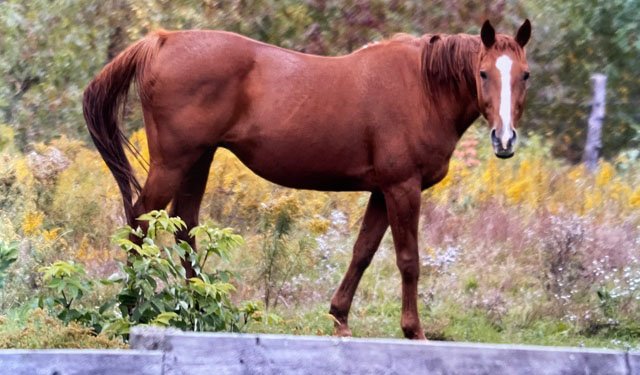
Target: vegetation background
x=530 y=250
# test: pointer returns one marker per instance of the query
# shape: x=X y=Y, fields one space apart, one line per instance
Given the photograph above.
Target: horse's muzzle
x=501 y=151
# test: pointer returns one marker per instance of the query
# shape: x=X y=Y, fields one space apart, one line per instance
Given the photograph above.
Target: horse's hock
x=172 y=352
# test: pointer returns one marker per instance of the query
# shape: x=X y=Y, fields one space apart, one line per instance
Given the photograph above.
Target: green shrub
x=152 y=285
x=154 y=291
x=8 y=256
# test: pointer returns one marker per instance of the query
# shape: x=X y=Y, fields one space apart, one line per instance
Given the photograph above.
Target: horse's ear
x=488 y=34
x=524 y=33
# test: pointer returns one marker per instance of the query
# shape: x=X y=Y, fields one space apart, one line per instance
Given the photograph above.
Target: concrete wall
x=171 y=352
x=80 y=362
x=190 y=353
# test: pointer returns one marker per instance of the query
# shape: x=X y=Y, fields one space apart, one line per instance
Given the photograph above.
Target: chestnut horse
x=384 y=119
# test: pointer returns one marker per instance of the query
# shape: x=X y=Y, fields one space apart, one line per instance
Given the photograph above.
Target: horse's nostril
x=513 y=139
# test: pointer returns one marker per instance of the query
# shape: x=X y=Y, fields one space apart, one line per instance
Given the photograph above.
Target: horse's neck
x=468 y=112
x=454 y=110
x=449 y=71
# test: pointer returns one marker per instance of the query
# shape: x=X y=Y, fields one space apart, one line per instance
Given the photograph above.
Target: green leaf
x=61 y=269
x=149 y=250
x=107 y=306
x=118 y=327
x=163 y=319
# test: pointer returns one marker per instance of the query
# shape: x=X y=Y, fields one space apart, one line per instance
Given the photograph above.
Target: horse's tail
x=103 y=105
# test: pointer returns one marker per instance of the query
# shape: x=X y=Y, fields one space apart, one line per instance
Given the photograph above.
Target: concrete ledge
x=159 y=351
x=191 y=353
x=77 y=362
x=633 y=359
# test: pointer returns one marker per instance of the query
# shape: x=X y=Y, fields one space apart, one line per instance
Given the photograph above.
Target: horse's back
x=323 y=121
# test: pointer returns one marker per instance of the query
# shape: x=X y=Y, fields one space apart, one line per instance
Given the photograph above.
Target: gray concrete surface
x=171 y=352
x=190 y=353
x=80 y=362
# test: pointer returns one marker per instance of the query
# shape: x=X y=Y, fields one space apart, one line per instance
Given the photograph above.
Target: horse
x=384 y=119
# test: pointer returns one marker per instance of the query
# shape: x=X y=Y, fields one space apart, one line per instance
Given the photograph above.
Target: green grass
x=446 y=323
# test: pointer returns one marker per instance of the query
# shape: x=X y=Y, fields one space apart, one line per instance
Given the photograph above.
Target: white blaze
x=503 y=63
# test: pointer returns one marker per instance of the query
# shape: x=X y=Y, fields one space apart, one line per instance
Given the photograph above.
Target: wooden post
x=594 y=134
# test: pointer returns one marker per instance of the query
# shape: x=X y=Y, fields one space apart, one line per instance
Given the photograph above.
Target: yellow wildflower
x=32 y=222
x=605 y=174
x=51 y=235
x=318 y=226
x=634 y=200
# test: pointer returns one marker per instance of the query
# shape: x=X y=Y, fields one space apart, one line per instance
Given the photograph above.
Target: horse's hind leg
x=158 y=191
x=186 y=202
x=163 y=182
x=374 y=225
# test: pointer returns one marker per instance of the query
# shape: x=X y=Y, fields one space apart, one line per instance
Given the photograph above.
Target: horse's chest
x=434 y=175
x=435 y=168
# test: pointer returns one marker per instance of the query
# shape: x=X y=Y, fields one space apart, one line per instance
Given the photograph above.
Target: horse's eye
x=526 y=76
x=483 y=74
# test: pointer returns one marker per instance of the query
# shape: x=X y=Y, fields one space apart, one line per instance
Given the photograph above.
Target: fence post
x=594 y=134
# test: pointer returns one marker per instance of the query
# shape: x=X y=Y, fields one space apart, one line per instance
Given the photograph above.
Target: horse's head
x=502 y=84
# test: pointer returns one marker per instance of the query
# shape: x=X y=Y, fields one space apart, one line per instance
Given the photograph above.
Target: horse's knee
x=409 y=267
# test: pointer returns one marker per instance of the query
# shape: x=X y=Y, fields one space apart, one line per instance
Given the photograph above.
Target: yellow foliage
x=534 y=181
x=634 y=199
x=593 y=200
x=32 y=222
x=51 y=235
x=23 y=173
x=69 y=147
x=441 y=189
x=318 y=226
x=83 y=251
x=7 y=136
x=287 y=204
x=140 y=160
x=517 y=191
x=86 y=197
x=577 y=173
x=605 y=174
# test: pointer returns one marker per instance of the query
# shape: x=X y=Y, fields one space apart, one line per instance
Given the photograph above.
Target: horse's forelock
x=507 y=43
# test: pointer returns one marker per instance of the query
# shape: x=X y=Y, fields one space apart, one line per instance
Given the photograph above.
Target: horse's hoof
x=343 y=331
x=420 y=336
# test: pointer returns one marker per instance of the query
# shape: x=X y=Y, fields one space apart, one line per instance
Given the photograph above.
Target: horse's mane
x=398 y=37
x=449 y=60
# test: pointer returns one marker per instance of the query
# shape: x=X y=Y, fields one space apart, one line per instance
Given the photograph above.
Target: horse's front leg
x=403 y=210
x=374 y=225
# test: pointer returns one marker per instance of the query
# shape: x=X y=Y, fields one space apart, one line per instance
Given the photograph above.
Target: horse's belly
x=305 y=170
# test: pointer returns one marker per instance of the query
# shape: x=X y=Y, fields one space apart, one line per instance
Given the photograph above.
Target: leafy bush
x=8 y=256
x=152 y=284
x=154 y=291
x=67 y=282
